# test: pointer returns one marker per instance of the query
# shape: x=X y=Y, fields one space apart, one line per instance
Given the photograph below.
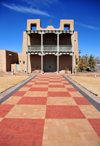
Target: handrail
x=62 y=48
x=49 y=48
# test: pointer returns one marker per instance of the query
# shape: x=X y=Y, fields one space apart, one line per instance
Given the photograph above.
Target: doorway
x=50 y=64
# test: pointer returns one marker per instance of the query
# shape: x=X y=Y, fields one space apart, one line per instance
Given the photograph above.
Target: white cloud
x=38 y=3
x=24 y=9
x=87 y=26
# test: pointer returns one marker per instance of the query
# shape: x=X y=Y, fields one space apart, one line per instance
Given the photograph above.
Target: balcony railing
x=34 y=48
x=65 y=48
x=50 y=48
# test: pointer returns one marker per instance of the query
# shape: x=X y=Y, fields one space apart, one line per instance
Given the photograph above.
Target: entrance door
x=49 y=64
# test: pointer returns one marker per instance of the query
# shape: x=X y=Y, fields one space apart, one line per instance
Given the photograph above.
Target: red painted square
x=56 y=86
x=38 y=89
x=4 y=109
x=59 y=94
x=28 y=85
x=71 y=89
x=62 y=79
x=95 y=123
x=66 y=83
x=81 y=101
x=33 y=100
x=23 y=132
x=63 y=112
x=25 y=143
x=19 y=93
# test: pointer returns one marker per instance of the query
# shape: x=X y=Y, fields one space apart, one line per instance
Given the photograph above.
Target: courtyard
x=49 y=111
x=89 y=82
x=7 y=81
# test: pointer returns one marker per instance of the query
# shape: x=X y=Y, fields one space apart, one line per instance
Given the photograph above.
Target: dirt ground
x=9 y=81
x=90 y=83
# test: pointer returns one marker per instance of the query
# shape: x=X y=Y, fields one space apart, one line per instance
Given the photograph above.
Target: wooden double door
x=50 y=64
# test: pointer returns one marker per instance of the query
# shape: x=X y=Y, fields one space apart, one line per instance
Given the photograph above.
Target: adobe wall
x=68 y=22
x=76 y=47
x=35 y=61
x=22 y=57
x=13 y=66
x=11 y=59
x=65 y=61
x=24 y=43
x=38 y=24
x=2 y=60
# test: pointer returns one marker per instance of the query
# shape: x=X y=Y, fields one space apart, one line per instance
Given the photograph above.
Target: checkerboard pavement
x=49 y=111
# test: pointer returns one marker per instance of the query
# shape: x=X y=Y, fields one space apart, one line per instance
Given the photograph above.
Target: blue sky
x=86 y=15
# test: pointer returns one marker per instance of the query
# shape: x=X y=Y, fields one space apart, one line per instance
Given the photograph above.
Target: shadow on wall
x=65 y=61
x=11 y=58
x=50 y=63
x=35 y=61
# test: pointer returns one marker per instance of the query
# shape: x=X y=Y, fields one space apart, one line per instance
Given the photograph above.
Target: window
x=23 y=62
x=66 y=27
x=33 y=26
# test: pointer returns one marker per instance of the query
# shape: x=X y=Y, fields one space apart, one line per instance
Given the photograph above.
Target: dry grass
x=9 y=81
x=90 y=83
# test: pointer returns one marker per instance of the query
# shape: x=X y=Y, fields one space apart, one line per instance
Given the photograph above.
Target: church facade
x=49 y=49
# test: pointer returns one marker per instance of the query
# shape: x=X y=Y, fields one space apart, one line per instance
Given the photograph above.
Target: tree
x=85 y=57
x=91 y=62
x=76 y=59
x=82 y=65
x=97 y=60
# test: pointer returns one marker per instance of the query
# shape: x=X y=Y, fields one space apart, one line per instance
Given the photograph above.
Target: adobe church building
x=6 y=59
x=47 y=50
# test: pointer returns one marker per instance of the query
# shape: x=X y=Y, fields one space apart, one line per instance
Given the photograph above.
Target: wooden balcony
x=34 y=48
x=65 y=48
x=49 y=48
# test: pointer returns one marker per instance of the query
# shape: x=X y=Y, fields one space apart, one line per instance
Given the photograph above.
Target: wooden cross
x=50 y=22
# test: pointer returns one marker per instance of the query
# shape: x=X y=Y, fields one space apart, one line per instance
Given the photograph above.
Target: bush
x=91 y=63
x=82 y=65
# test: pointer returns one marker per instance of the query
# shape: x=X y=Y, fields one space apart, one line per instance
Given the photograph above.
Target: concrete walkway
x=49 y=111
